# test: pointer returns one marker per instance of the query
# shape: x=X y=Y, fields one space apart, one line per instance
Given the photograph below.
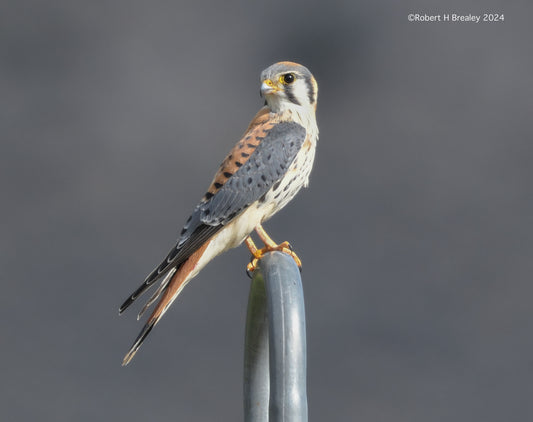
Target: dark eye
x=288 y=78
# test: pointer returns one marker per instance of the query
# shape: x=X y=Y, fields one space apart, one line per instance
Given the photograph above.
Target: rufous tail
x=169 y=293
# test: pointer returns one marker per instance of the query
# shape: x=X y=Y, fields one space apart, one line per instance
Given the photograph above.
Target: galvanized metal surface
x=275 y=359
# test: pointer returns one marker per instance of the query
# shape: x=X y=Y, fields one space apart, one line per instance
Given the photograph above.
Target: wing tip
x=125 y=305
x=154 y=276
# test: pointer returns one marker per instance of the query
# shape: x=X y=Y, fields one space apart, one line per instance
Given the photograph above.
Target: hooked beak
x=268 y=87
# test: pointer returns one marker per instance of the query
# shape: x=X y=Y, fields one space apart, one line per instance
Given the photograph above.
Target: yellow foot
x=257 y=254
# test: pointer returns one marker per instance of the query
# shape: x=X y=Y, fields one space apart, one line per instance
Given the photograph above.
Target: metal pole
x=275 y=348
x=256 y=368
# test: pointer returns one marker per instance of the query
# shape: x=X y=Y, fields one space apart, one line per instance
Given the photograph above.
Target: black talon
x=248 y=273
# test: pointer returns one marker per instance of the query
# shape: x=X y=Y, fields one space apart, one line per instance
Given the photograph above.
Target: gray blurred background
x=416 y=233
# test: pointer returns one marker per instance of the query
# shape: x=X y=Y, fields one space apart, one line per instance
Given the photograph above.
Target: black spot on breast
x=244 y=154
x=208 y=195
x=227 y=174
x=262 y=199
x=276 y=186
x=218 y=185
x=241 y=146
x=251 y=145
x=259 y=138
x=238 y=163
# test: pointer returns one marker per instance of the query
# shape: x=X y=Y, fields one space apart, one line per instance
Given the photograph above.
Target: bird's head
x=288 y=85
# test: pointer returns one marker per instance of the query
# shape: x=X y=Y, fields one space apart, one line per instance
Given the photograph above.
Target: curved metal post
x=275 y=360
x=256 y=366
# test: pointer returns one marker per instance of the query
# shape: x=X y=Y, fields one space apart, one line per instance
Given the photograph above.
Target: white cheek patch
x=300 y=92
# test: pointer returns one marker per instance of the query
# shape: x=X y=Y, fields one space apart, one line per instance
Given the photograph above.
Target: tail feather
x=162 y=287
x=138 y=341
x=178 y=255
x=148 y=282
x=170 y=288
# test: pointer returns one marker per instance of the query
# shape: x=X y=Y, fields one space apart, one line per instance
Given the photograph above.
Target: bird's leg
x=255 y=255
x=270 y=246
x=265 y=238
x=251 y=247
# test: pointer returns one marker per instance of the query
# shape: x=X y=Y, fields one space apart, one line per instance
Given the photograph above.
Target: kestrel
x=261 y=174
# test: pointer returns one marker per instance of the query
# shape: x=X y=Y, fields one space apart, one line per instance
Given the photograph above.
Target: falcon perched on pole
x=261 y=174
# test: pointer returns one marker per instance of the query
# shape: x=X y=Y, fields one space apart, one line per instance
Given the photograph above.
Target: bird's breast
x=296 y=177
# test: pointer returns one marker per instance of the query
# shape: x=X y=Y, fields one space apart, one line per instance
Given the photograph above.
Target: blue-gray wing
x=264 y=155
x=265 y=167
